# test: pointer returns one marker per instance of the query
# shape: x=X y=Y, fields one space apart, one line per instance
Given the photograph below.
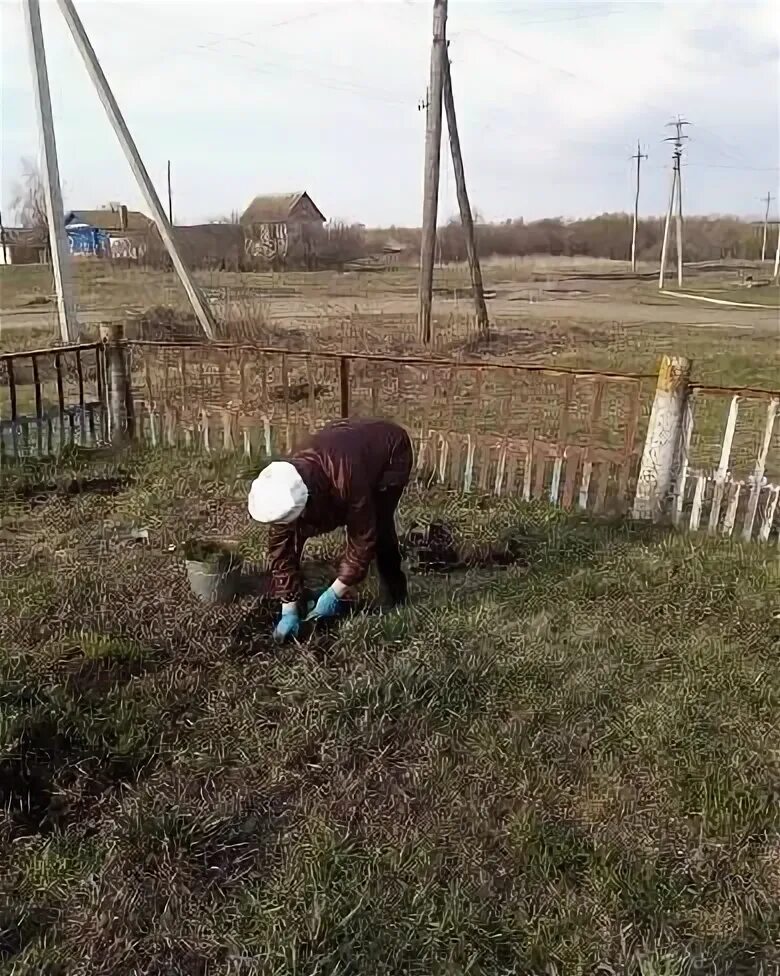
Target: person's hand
x=329 y=604
x=288 y=626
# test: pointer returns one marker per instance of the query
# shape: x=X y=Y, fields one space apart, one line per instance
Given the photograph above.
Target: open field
x=566 y=764
x=582 y=313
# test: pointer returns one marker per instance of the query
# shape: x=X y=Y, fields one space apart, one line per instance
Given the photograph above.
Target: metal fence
x=52 y=398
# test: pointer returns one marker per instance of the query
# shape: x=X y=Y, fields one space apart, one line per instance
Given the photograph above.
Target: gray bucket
x=214 y=573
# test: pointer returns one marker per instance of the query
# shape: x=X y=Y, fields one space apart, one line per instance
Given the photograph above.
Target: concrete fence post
x=662 y=450
x=119 y=398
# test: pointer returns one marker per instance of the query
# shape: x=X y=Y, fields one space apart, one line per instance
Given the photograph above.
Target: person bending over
x=351 y=473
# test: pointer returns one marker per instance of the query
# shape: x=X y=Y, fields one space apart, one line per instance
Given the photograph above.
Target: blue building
x=86 y=240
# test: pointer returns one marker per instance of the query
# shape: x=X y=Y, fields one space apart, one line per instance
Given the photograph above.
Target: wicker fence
x=603 y=442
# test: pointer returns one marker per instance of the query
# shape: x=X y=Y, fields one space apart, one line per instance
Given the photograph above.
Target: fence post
x=119 y=397
x=344 y=384
x=661 y=454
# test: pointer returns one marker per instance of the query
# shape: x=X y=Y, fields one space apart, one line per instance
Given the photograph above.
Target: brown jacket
x=343 y=465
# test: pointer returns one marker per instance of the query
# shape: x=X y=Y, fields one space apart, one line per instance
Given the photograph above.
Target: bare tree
x=29 y=202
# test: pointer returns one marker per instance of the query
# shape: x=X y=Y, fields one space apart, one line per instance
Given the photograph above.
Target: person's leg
x=392 y=581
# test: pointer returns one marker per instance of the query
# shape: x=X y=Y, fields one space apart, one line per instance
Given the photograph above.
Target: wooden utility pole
x=768 y=199
x=199 y=305
x=55 y=215
x=665 y=242
x=463 y=201
x=432 y=165
x=170 y=196
x=2 y=239
x=638 y=156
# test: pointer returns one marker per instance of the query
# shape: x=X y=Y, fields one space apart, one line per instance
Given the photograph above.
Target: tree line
x=606 y=236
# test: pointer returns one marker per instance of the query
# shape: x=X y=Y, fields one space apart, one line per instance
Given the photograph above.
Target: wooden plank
x=264 y=381
x=759 y=468
x=375 y=397
x=468 y=474
x=242 y=381
x=154 y=428
x=444 y=456
x=721 y=472
x=286 y=400
x=629 y=445
x=573 y=455
x=682 y=472
x=602 y=485
x=587 y=473
x=555 y=484
x=456 y=457
x=450 y=400
x=540 y=463
x=589 y=455
x=170 y=424
x=731 y=509
x=312 y=395
x=344 y=386
x=205 y=431
x=769 y=514
x=500 y=468
x=484 y=465
x=512 y=462
x=229 y=430
x=528 y=471
x=698 y=500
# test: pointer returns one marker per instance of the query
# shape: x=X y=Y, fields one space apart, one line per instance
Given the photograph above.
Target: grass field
x=565 y=766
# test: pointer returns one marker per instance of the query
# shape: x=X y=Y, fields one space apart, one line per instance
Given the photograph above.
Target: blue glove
x=328 y=605
x=288 y=626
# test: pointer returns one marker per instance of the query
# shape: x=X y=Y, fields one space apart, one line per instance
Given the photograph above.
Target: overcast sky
x=247 y=97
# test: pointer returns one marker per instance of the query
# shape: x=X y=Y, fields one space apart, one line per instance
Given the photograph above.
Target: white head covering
x=278 y=494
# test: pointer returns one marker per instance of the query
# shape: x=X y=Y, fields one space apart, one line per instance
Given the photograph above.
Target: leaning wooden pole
x=432 y=164
x=466 y=219
x=55 y=216
x=199 y=305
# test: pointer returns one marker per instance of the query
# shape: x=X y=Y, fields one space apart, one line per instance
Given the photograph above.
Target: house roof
x=109 y=219
x=275 y=207
x=26 y=236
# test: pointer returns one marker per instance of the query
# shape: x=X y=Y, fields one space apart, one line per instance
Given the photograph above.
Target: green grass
x=567 y=763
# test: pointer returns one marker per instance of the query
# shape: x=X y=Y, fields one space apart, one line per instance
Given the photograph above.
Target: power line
x=312 y=76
